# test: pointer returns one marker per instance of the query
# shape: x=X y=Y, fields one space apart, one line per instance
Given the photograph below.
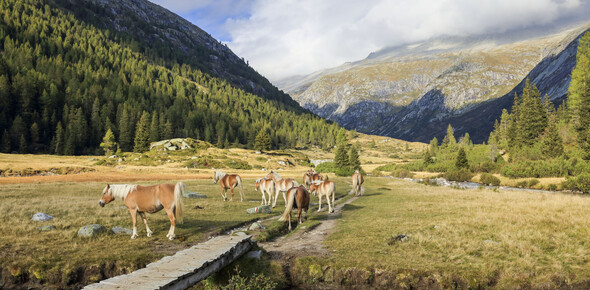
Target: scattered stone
x=191 y=194
x=491 y=242
x=259 y=209
x=436 y=227
x=239 y=234
x=119 y=230
x=91 y=230
x=198 y=207
x=256 y=226
x=282 y=163
x=42 y=217
x=254 y=254
x=46 y=228
x=400 y=238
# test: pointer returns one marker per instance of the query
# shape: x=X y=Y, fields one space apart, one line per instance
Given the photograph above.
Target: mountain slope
x=71 y=70
x=405 y=92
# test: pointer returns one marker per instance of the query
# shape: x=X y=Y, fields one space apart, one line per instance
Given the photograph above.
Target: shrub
x=202 y=162
x=485 y=166
x=237 y=164
x=402 y=173
x=580 y=183
x=522 y=184
x=552 y=187
x=260 y=159
x=489 y=179
x=326 y=167
x=388 y=167
x=533 y=182
x=459 y=175
x=344 y=171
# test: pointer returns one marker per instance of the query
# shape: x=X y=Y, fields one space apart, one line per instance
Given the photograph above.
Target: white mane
x=121 y=190
x=276 y=175
x=219 y=175
x=257 y=180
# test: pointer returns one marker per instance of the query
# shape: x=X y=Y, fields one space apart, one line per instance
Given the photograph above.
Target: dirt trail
x=305 y=242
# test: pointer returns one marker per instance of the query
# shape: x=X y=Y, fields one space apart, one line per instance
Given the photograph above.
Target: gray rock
x=190 y=194
x=256 y=226
x=259 y=209
x=91 y=230
x=491 y=242
x=42 y=217
x=398 y=239
x=46 y=228
x=119 y=230
x=254 y=254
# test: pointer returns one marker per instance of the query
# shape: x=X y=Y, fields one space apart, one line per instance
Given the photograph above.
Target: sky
x=283 y=38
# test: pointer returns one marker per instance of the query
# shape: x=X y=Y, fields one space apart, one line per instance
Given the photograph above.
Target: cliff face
x=414 y=92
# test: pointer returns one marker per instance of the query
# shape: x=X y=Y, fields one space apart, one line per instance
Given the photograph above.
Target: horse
x=266 y=186
x=325 y=187
x=228 y=181
x=311 y=176
x=151 y=199
x=281 y=185
x=296 y=197
x=357 y=180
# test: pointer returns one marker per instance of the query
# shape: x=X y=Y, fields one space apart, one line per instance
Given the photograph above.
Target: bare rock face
x=414 y=92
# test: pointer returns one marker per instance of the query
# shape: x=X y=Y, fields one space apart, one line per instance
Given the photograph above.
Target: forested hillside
x=64 y=82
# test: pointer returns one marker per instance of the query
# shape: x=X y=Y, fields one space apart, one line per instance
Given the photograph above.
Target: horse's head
x=107 y=196
x=257 y=184
x=215 y=177
x=313 y=187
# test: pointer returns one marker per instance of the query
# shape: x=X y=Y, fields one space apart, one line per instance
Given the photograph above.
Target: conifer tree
x=142 y=134
x=341 y=157
x=59 y=140
x=22 y=147
x=579 y=94
x=462 y=161
x=125 y=134
x=449 y=139
x=155 y=128
x=433 y=146
x=532 y=116
x=108 y=143
x=34 y=134
x=262 y=142
x=168 y=132
x=427 y=159
x=353 y=159
x=512 y=133
x=5 y=144
x=552 y=144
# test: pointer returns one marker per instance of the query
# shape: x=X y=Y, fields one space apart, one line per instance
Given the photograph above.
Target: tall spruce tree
x=5 y=144
x=552 y=144
x=341 y=157
x=108 y=143
x=532 y=116
x=262 y=142
x=125 y=132
x=579 y=95
x=155 y=128
x=353 y=159
x=449 y=139
x=142 y=134
x=462 y=161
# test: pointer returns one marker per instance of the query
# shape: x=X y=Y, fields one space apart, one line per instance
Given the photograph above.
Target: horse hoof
x=133 y=237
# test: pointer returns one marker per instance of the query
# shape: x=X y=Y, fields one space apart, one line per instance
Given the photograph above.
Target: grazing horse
x=311 y=176
x=281 y=185
x=151 y=199
x=266 y=186
x=357 y=180
x=228 y=181
x=296 y=197
x=326 y=187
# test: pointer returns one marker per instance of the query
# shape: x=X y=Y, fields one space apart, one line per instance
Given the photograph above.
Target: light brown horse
x=151 y=199
x=357 y=180
x=228 y=181
x=311 y=176
x=267 y=187
x=325 y=187
x=281 y=185
x=296 y=197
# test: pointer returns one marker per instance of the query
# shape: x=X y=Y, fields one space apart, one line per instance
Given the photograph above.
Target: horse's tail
x=178 y=191
x=288 y=207
x=240 y=188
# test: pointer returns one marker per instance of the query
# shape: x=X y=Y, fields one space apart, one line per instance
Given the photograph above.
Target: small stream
x=439 y=181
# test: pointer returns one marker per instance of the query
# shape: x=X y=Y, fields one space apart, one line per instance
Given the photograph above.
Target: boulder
x=119 y=230
x=93 y=230
x=46 y=228
x=256 y=226
x=254 y=254
x=190 y=194
x=42 y=217
x=259 y=209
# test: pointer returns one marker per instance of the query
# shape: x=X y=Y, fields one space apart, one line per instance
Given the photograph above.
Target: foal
x=326 y=188
x=228 y=181
x=267 y=187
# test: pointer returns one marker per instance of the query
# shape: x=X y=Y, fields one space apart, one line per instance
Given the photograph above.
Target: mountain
x=71 y=70
x=413 y=92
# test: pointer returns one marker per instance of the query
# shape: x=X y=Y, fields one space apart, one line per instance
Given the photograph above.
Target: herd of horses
x=141 y=199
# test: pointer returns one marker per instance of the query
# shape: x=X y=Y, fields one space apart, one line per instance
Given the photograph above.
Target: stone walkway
x=185 y=268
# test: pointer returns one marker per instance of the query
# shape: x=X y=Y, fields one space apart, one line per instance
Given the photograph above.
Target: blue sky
x=282 y=38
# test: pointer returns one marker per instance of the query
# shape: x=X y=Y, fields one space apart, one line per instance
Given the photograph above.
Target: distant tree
x=34 y=134
x=341 y=158
x=22 y=147
x=168 y=132
x=449 y=139
x=532 y=119
x=59 y=140
x=427 y=160
x=462 y=161
x=142 y=134
x=155 y=128
x=341 y=137
x=552 y=144
x=433 y=147
x=5 y=143
x=353 y=159
x=108 y=143
x=466 y=139
x=579 y=94
x=125 y=132
x=262 y=142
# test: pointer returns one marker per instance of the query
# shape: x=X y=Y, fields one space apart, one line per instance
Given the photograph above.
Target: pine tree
x=449 y=139
x=142 y=134
x=353 y=159
x=262 y=142
x=552 y=144
x=168 y=132
x=466 y=139
x=108 y=143
x=341 y=157
x=579 y=94
x=22 y=147
x=427 y=160
x=59 y=140
x=155 y=128
x=512 y=132
x=35 y=134
x=462 y=161
x=125 y=134
x=532 y=116
x=433 y=146
x=5 y=144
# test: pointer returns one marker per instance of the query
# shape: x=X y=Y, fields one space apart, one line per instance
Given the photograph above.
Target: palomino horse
x=267 y=187
x=357 y=180
x=151 y=199
x=296 y=197
x=228 y=181
x=310 y=176
x=326 y=187
x=281 y=185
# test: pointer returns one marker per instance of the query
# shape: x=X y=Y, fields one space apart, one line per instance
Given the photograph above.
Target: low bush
x=237 y=164
x=459 y=175
x=489 y=179
x=202 y=162
x=581 y=183
x=533 y=182
x=402 y=173
x=326 y=167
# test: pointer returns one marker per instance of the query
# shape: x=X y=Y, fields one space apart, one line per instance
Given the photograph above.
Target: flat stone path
x=185 y=268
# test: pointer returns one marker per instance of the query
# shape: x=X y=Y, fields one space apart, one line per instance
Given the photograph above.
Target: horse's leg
x=232 y=194
x=147 y=229
x=276 y=197
x=289 y=221
x=299 y=215
x=285 y=197
x=330 y=209
x=170 y=214
x=133 y=212
x=320 y=202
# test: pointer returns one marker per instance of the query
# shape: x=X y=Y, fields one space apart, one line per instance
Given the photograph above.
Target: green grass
x=512 y=238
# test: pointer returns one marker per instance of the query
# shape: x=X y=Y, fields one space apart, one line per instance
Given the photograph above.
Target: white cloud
x=281 y=38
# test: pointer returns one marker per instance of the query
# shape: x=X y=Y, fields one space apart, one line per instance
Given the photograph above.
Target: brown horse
x=326 y=187
x=296 y=197
x=228 y=181
x=151 y=199
x=357 y=180
x=267 y=187
x=311 y=176
x=281 y=185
